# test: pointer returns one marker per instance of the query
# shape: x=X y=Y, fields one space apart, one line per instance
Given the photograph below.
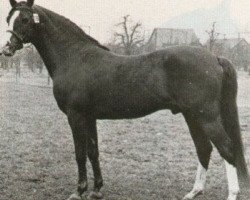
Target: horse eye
x=25 y=20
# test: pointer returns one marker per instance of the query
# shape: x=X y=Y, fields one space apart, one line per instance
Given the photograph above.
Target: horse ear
x=13 y=3
x=30 y=3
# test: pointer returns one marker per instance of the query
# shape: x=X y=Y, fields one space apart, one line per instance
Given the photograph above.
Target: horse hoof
x=193 y=194
x=74 y=197
x=95 y=195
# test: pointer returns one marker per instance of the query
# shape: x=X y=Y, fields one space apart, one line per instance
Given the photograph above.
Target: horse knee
x=82 y=187
x=93 y=155
x=93 y=152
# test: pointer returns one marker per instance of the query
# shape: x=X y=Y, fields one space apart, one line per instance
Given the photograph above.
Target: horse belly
x=132 y=98
x=128 y=107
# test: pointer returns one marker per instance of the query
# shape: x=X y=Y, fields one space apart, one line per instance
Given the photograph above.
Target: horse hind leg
x=203 y=149
x=233 y=183
x=199 y=185
x=215 y=131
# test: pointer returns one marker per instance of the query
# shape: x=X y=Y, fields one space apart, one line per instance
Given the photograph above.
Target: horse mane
x=77 y=30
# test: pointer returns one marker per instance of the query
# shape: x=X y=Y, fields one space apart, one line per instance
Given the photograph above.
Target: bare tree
x=130 y=37
x=212 y=36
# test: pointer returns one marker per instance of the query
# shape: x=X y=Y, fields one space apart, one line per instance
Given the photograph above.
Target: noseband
x=20 y=38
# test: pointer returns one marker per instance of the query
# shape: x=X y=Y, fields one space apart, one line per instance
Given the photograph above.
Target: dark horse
x=92 y=83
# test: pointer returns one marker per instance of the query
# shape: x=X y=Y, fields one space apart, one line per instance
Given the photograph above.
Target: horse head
x=22 y=21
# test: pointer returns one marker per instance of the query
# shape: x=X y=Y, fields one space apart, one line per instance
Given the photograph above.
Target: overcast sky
x=101 y=15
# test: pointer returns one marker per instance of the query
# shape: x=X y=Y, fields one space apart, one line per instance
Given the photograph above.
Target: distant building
x=236 y=49
x=201 y=19
x=165 y=37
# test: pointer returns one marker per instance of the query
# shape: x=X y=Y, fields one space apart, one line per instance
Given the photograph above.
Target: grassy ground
x=150 y=158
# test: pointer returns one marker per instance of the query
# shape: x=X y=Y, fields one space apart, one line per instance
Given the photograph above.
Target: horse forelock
x=17 y=8
x=13 y=18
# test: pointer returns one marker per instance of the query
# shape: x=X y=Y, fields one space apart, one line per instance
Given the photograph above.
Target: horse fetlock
x=75 y=197
x=95 y=195
x=232 y=195
x=98 y=185
x=194 y=193
x=235 y=190
x=82 y=187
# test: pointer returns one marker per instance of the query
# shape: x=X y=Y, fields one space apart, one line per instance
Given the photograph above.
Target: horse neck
x=56 y=38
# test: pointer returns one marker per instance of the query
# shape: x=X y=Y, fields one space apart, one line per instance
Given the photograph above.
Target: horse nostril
x=7 y=51
x=8 y=54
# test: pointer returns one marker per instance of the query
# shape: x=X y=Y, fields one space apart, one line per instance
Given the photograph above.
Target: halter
x=21 y=7
x=16 y=35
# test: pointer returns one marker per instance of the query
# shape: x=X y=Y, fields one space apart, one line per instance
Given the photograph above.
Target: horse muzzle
x=9 y=50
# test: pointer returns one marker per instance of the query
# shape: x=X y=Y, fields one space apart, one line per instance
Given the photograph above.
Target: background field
x=150 y=158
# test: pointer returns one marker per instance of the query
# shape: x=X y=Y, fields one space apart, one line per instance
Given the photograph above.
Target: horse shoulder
x=70 y=91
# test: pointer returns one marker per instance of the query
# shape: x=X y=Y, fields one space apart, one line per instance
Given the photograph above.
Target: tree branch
x=129 y=36
x=134 y=30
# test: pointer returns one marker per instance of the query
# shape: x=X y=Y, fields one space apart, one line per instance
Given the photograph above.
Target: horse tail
x=230 y=119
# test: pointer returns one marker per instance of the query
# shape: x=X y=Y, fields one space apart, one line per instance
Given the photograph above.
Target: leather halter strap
x=16 y=35
x=18 y=7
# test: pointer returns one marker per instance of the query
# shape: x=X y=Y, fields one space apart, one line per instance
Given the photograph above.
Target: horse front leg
x=80 y=128
x=93 y=155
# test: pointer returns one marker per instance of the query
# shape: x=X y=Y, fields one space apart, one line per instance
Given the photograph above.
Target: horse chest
x=61 y=97
x=71 y=94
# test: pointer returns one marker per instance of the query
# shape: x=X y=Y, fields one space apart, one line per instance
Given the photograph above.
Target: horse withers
x=90 y=83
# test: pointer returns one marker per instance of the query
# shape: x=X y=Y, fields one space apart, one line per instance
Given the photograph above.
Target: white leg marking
x=233 y=183
x=199 y=184
x=74 y=197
